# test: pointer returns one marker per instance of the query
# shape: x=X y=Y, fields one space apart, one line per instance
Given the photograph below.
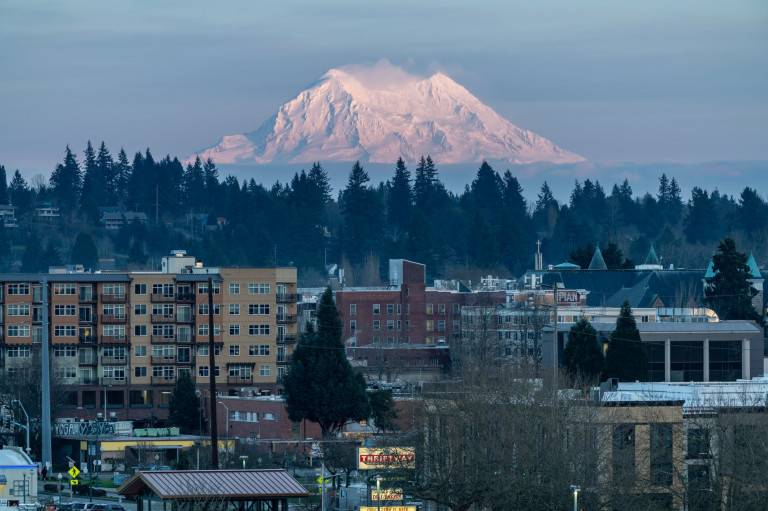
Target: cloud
x=382 y=75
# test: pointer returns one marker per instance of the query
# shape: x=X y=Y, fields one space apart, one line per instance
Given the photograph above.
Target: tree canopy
x=582 y=356
x=728 y=290
x=184 y=406
x=626 y=358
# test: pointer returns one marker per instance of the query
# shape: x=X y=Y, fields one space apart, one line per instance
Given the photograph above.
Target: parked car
x=115 y=507
x=85 y=489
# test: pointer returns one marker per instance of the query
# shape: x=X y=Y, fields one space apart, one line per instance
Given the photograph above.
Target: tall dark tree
x=363 y=220
x=211 y=176
x=400 y=198
x=66 y=181
x=321 y=385
x=94 y=187
x=31 y=261
x=194 y=186
x=122 y=174
x=50 y=256
x=702 y=224
x=728 y=292
x=546 y=209
x=184 y=406
x=626 y=358
x=425 y=181
x=614 y=258
x=3 y=186
x=383 y=410
x=752 y=212
x=20 y=194
x=84 y=252
x=582 y=356
x=106 y=170
x=582 y=256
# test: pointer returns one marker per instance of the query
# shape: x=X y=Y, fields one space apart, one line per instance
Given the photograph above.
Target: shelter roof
x=227 y=484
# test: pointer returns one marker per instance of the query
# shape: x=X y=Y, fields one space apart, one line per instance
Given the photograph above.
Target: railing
x=161 y=298
x=163 y=359
x=186 y=360
x=119 y=361
x=86 y=298
x=111 y=319
x=163 y=318
x=90 y=319
x=88 y=380
x=283 y=318
x=113 y=299
x=185 y=338
x=237 y=380
x=111 y=339
x=163 y=380
x=161 y=339
x=287 y=298
x=87 y=361
x=185 y=297
x=88 y=339
x=185 y=318
x=111 y=380
x=287 y=338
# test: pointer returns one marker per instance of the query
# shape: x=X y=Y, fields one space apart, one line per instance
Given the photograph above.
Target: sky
x=614 y=81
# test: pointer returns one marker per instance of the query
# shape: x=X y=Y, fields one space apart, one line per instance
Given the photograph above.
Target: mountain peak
x=348 y=116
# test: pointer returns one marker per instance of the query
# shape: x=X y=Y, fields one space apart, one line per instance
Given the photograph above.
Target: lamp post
x=27 y=426
x=378 y=492
x=95 y=447
x=59 y=477
x=227 y=409
x=575 y=489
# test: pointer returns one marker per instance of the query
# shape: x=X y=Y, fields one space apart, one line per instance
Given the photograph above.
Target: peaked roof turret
x=754 y=271
x=710 y=269
x=652 y=257
x=597 y=263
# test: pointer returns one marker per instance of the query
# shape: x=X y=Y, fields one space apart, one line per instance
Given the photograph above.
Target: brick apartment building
x=119 y=340
x=406 y=325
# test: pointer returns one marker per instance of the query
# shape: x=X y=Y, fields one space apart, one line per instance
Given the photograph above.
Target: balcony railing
x=185 y=297
x=287 y=338
x=114 y=380
x=284 y=319
x=88 y=339
x=163 y=318
x=112 y=319
x=161 y=339
x=163 y=380
x=185 y=338
x=287 y=298
x=185 y=318
x=163 y=359
x=161 y=298
x=114 y=299
x=86 y=298
x=87 y=361
x=90 y=318
x=88 y=380
x=239 y=380
x=185 y=360
x=113 y=339
x=114 y=361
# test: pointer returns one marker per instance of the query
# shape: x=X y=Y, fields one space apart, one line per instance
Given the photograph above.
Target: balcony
x=114 y=381
x=87 y=339
x=114 y=299
x=85 y=360
x=163 y=318
x=285 y=319
x=113 y=361
x=185 y=318
x=184 y=338
x=87 y=318
x=161 y=339
x=185 y=297
x=163 y=380
x=161 y=298
x=239 y=380
x=86 y=297
x=88 y=380
x=111 y=319
x=287 y=338
x=113 y=339
x=287 y=298
x=163 y=359
x=185 y=360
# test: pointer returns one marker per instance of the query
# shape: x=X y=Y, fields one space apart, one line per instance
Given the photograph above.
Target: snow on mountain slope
x=340 y=119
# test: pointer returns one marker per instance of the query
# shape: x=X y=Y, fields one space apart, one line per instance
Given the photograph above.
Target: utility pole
x=212 y=379
x=556 y=344
x=46 y=382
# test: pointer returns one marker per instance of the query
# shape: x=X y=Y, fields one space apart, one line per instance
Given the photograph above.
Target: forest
x=488 y=228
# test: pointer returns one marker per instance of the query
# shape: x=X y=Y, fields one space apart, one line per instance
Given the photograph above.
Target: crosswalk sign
x=74 y=482
x=74 y=472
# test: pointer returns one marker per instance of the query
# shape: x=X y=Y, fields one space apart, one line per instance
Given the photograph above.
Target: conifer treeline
x=489 y=226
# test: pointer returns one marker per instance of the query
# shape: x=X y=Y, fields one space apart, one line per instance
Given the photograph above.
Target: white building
x=18 y=480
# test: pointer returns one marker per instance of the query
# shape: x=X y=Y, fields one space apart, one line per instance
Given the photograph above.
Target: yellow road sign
x=74 y=472
x=74 y=482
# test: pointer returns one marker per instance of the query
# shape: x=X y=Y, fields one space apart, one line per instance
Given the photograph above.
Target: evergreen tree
x=66 y=181
x=319 y=179
x=184 y=406
x=5 y=249
x=383 y=411
x=614 y=258
x=424 y=182
x=106 y=171
x=31 y=261
x=136 y=254
x=122 y=174
x=752 y=212
x=93 y=180
x=702 y=224
x=582 y=356
x=211 y=176
x=582 y=256
x=362 y=216
x=626 y=358
x=84 y=252
x=321 y=385
x=4 y=197
x=194 y=186
x=728 y=292
x=50 y=256
x=400 y=198
x=546 y=209
x=20 y=194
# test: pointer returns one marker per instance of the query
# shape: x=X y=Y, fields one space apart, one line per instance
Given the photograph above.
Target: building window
x=399 y=309
x=234 y=329
x=430 y=308
x=407 y=325
x=352 y=309
x=376 y=324
x=698 y=443
x=18 y=289
x=429 y=340
x=258 y=309
x=165 y=331
x=390 y=308
x=23 y=310
x=391 y=324
x=202 y=289
x=234 y=289
x=66 y=289
x=64 y=351
x=430 y=325
x=61 y=331
x=234 y=350
x=264 y=370
x=234 y=309
x=258 y=289
x=115 y=290
x=58 y=310
x=202 y=329
x=139 y=289
x=140 y=330
x=139 y=351
x=441 y=325
x=376 y=339
x=661 y=454
x=624 y=455
x=408 y=308
x=441 y=309
x=140 y=372
x=399 y=325
x=258 y=329
x=18 y=352
x=377 y=308
x=353 y=325
x=203 y=371
x=455 y=308
x=258 y=350
x=140 y=309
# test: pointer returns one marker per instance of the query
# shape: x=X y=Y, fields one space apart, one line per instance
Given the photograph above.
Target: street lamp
x=378 y=492
x=575 y=489
x=27 y=426
x=227 y=409
x=59 y=477
x=95 y=450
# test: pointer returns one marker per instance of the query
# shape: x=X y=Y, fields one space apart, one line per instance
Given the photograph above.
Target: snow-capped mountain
x=340 y=119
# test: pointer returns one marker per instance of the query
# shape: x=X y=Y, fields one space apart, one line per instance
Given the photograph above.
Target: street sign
x=388 y=508
x=74 y=472
x=74 y=482
x=388 y=494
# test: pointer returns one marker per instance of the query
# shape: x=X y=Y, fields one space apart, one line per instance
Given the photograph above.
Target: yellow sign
x=386 y=457
x=74 y=482
x=388 y=494
x=388 y=508
x=74 y=472
x=320 y=480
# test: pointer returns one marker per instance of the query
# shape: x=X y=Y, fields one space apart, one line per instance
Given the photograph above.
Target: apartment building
x=119 y=341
